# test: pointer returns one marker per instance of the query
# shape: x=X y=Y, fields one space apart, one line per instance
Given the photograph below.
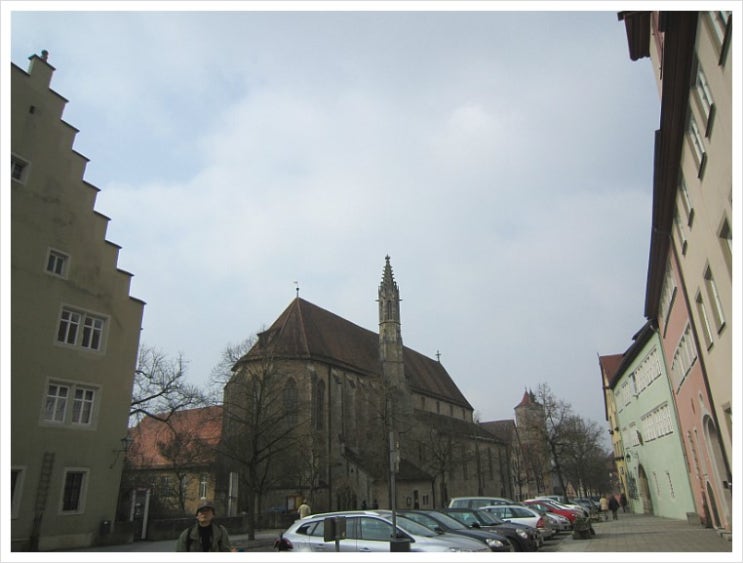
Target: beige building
x=74 y=332
x=689 y=287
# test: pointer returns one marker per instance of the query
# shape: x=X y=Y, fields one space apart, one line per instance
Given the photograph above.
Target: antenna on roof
x=297 y=284
x=438 y=356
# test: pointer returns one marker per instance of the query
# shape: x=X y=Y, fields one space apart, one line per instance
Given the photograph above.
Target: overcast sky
x=502 y=159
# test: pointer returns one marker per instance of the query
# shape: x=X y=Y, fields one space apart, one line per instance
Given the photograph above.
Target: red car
x=548 y=506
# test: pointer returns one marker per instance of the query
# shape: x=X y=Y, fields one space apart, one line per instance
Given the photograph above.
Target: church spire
x=390 y=339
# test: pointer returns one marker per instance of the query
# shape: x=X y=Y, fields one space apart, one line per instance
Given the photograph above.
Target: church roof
x=502 y=429
x=306 y=331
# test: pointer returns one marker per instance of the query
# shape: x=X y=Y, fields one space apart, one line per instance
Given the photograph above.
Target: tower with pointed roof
x=390 y=336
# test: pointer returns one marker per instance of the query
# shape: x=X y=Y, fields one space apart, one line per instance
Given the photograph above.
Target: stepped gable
x=306 y=331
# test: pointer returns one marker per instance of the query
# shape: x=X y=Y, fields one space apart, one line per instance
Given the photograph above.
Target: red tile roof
x=187 y=439
x=306 y=331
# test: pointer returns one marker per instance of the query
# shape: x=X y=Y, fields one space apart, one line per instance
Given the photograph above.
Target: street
x=630 y=532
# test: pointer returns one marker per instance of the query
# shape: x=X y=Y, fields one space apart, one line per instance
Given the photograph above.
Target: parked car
x=524 y=537
x=523 y=515
x=587 y=504
x=370 y=531
x=555 y=499
x=548 y=506
x=440 y=522
x=559 y=522
x=477 y=502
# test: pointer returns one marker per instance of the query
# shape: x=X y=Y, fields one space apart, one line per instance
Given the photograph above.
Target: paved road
x=631 y=532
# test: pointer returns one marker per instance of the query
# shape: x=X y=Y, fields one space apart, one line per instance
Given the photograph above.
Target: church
x=325 y=410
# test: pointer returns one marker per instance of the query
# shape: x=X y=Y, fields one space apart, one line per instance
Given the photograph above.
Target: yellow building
x=74 y=332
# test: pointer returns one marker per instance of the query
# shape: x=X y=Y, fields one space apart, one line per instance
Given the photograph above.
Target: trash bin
x=105 y=527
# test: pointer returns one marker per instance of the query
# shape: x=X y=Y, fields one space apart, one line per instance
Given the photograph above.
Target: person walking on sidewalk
x=623 y=502
x=204 y=535
x=613 y=506
x=304 y=509
x=604 y=507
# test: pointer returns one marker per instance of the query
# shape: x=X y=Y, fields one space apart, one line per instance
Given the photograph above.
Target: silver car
x=368 y=530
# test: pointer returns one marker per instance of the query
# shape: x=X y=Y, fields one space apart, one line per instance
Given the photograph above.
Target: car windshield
x=487 y=518
x=450 y=522
x=414 y=528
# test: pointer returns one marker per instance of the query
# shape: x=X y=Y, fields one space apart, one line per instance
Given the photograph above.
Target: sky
x=502 y=159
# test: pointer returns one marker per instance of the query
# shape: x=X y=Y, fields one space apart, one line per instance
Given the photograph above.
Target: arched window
x=290 y=402
x=318 y=403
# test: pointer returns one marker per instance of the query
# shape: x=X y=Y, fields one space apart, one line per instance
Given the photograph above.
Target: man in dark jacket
x=613 y=506
x=204 y=535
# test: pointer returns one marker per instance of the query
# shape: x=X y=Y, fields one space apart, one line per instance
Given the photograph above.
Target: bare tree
x=160 y=387
x=264 y=420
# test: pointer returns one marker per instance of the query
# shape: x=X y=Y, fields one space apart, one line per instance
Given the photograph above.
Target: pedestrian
x=613 y=506
x=304 y=509
x=604 y=507
x=363 y=504
x=205 y=535
x=623 y=502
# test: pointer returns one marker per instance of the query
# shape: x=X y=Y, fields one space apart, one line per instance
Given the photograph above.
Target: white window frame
x=20 y=164
x=203 y=485
x=686 y=201
x=79 y=406
x=17 y=492
x=82 y=329
x=719 y=22
x=82 y=496
x=60 y=261
x=704 y=97
x=58 y=402
x=697 y=145
x=680 y=230
x=704 y=320
x=714 y=298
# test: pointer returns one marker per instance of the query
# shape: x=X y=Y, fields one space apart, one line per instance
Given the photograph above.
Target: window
x=686 y=201
x=73 y=493
x=680 y=231
x=319 y=403
x=290 y=403
x=373 y=529
x=704 y=320
x=56 y=403
x=60 y=395
x=714 y=298
x=203 y=485
x=667 y=296
x=56 y=263
x=684 y=357
x=18 y=169
x=719 y=23
x=79 y=328
x=726 y=242
x=16 y=483
x=697 y=145
x=704 y=99
x=82 y=406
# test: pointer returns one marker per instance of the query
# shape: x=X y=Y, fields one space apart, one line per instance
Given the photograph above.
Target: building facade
x=609 y=365
x=689 y=288
x=350 y=412
x=74 y=332
x=656 y=471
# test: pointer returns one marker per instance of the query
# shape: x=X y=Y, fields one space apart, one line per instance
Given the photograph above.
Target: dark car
x=523 y=537
x=443 y=523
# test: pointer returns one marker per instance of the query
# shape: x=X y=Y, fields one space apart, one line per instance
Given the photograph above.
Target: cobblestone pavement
x=644 y=533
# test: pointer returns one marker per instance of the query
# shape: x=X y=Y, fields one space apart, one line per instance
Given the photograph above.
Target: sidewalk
x=642 y=532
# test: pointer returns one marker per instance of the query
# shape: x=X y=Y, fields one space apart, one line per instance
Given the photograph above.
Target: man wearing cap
x=204 y=536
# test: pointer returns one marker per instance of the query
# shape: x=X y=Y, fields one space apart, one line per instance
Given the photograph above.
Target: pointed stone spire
x=390 y=338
